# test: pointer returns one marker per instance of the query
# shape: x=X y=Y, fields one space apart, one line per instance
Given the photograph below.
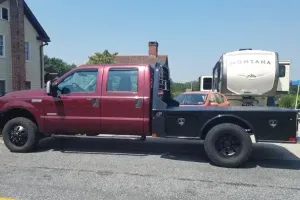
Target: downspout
x=41 y=62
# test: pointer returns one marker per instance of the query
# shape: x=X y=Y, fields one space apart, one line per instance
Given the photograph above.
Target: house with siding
x=151 y=58
x=22 y=39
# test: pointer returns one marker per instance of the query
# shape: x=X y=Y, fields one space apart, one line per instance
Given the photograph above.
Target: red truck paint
x=74 y=113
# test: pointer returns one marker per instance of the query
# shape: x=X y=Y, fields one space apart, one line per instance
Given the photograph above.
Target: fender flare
x=221 y=117
x=17 y=104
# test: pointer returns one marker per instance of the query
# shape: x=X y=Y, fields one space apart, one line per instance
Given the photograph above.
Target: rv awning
x=296 y=82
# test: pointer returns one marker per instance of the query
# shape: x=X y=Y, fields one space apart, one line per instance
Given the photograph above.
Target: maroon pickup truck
x=136 y=100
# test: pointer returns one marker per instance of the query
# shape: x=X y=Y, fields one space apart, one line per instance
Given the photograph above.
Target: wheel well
x=13 y=113
x=222 y=120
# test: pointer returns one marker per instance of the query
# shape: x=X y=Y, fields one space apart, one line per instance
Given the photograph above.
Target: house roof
x=136 y=59
x=42 y=35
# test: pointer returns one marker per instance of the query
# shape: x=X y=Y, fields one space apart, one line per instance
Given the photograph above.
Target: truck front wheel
x=228 y=145
x=20 y=135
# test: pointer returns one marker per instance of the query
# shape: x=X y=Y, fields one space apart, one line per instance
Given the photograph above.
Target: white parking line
x=1 y=141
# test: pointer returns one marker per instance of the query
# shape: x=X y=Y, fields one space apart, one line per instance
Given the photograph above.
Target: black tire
x=32 y=133
x=235 y=131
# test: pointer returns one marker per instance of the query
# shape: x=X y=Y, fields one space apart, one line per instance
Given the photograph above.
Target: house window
x=27 y=85
x=4 y=13
x=2 y=48
x=2 y=87
x=27 y=51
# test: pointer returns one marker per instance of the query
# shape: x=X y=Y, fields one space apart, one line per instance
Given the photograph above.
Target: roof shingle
x=140 y=59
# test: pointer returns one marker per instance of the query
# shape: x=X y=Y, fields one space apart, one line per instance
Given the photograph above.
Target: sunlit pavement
x=109 y=168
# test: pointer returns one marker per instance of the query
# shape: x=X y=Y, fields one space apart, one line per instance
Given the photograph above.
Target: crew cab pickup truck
x=136 y=100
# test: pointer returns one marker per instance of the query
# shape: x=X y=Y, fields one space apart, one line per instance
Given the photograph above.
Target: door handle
x=138 y=102
x=95 y=101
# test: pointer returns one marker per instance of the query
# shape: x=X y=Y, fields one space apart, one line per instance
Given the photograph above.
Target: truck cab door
x=76 y=108
x=122 y=103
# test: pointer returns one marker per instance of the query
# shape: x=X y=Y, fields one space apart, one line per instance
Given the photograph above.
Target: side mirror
x=48 y=88
x=51 y=90
x=66 y=90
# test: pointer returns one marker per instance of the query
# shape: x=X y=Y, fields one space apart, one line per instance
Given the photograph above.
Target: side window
x=220 y=98
x=213 y=98
x=122 y=80
x=281 y=71
x=79 y=81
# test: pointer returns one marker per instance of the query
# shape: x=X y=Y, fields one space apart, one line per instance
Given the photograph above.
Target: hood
x=25 y=93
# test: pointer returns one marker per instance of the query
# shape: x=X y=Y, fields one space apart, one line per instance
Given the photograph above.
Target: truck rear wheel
x=228 y=145
x=20 y=135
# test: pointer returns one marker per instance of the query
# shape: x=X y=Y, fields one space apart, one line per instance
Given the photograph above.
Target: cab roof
x=113 y=65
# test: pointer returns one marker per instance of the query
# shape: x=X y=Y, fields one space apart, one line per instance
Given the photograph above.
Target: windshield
x=191 y=99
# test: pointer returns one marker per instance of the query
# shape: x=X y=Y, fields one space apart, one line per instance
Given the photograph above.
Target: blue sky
x=194 y=33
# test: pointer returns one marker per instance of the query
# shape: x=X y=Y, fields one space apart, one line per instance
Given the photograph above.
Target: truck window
x=122 y=80
x=80 y=81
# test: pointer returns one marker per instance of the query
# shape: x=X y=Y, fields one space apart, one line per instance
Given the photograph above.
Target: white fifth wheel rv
x=247 y=77
x=283 y=86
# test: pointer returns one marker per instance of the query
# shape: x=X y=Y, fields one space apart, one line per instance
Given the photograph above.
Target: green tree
x=57 y=65
x=288 y=101
x=102 y=58
x=177 y=87
x=293 y=89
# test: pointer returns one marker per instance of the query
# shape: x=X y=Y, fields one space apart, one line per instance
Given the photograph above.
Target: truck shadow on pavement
x=263 y=155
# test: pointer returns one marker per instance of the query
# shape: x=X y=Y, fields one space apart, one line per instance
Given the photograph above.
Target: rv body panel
x=247 y=73
x=283 y=86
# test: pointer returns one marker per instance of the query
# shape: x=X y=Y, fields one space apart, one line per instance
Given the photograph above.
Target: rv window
x=281 y=70
x=217 y=76
x=207 y=83
x=215 y=79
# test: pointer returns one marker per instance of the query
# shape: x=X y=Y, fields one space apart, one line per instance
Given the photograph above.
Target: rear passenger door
x=122 y=100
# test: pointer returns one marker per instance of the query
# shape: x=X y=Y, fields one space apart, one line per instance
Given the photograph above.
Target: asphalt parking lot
x=155 y=169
